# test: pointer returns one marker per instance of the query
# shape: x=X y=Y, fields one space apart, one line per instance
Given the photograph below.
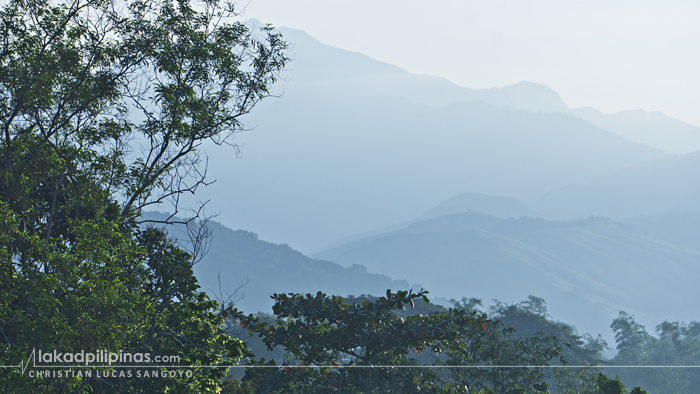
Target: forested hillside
x=590 y=268
x=239 y=257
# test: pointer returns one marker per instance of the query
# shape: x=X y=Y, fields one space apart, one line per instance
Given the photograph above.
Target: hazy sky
x=611 y=55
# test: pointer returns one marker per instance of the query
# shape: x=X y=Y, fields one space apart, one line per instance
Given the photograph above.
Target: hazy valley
x=395 y=179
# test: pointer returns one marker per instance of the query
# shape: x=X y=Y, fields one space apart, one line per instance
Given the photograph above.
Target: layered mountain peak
x=530 y=96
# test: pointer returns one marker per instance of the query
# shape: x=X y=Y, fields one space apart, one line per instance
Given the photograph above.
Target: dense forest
x=515 y=334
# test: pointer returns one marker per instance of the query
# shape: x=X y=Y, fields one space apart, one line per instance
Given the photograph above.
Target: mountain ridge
x=365 y=154
x=238 y=264
x=590 y=268
x=651 y=128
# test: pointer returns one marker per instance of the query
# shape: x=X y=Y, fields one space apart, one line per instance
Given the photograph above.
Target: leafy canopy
x=103 y=107
x=368 y=345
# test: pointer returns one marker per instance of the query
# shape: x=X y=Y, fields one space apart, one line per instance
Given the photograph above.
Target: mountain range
x=356 y=73
x=657 y=186
x=354 y=144
x=241 y=268
x=587 y=269
x=387 y=178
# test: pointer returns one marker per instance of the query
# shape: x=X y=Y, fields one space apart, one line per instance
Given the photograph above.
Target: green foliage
x=638 y=390
x=77 y=270
x=530 y=318
x=498 y=348
x=520 y=335
x=375 y=346
x=630 y=336
x=609 y=386
x=676 y=344
x=331 y=335
x=322 y=329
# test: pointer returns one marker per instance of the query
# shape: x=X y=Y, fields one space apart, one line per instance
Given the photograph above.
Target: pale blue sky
x=612 y=55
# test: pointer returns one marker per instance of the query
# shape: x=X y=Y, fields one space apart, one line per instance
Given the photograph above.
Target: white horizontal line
x=355 y=366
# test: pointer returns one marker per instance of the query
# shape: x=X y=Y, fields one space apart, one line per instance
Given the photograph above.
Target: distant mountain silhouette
x=677 y=228
x=355 y=144
x=650 y=128
x=240 y=257
x=316 y=63
x=660 y=186
x=496 y=206
x=587 y=270
x=326 y=165
x=354 y=72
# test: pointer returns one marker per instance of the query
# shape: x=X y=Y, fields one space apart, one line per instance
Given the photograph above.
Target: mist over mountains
x=587 y=269
x=345 y=150
x=484 y=193
x=650 y=128
x=664 y=185
x=241 y=268
x=497 y=206
x=369 y=76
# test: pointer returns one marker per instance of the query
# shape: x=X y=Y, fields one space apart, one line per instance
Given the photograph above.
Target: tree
x=530 y=317
x=605 y=385
x=677 y=344
x=630 y=336
x=103 y=107
x=366 y=347
x=325 y=344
